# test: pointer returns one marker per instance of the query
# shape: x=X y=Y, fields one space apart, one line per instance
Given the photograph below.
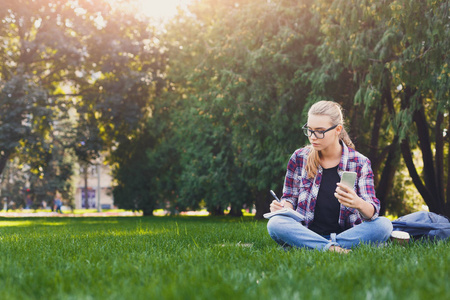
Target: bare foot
x=338 y=249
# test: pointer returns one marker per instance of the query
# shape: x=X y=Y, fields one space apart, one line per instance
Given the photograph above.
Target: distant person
x=11 y=205
x=336 y=217
x=29 y=202
x=57 y=205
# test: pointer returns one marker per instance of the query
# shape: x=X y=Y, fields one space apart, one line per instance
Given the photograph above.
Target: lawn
x=202 y=258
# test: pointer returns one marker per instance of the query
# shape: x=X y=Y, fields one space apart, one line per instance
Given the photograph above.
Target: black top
x=326 y=212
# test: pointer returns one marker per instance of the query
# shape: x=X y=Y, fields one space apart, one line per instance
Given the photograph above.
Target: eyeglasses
x=320 y=134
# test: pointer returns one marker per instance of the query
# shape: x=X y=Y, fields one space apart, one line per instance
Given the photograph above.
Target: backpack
x=424 y=225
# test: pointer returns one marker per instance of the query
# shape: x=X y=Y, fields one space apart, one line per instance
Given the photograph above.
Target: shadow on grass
x=32 y=222
x=156 y=220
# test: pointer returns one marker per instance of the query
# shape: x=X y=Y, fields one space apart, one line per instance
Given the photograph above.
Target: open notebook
x=288 y=212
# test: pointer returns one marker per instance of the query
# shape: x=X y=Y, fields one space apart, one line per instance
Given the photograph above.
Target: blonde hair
x=334 y=111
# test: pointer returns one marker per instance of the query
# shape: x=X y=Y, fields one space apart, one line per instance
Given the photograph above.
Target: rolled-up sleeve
x=291 y=184
x=295 y=172
x=366 y=188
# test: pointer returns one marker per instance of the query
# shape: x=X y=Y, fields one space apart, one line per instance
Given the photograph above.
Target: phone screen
x=348 y=178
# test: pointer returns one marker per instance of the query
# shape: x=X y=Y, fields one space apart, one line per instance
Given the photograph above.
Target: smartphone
x=348 y=178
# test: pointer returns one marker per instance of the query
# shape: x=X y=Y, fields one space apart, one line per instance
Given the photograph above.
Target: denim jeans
x=288 y=232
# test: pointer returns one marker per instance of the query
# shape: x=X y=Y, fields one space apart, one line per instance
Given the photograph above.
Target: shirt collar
x=344 y=159
x=344 y=156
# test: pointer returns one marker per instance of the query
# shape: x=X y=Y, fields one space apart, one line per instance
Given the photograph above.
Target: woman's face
x=322 y=123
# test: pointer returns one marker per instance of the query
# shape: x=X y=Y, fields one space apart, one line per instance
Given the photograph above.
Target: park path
x=27 y=214
x=30 y=213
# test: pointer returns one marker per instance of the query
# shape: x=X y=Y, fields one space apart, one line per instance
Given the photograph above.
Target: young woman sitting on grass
x=336 y=217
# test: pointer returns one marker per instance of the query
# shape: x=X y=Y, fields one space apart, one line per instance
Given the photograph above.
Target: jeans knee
x=385 y=226
x=273 y=226
x=278 y=226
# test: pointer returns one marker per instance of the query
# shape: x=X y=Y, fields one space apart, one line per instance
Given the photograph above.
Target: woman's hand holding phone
x=347 y=196
x=345 y=192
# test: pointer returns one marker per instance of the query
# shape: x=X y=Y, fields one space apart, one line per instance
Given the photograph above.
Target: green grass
x=202 y=258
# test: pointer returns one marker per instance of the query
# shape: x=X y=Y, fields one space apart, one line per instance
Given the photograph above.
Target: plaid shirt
x=302 y=191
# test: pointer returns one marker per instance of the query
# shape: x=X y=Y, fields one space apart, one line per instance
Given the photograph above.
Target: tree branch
x=426 y=195
x=427 y=155
x=386 y=183
x=439 y=157
x=373 y=154
x=447 y=203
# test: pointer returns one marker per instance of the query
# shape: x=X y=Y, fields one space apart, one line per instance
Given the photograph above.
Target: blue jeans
x=288 y=232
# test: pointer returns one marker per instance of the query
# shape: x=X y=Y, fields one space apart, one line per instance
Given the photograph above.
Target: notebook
x=288 y=212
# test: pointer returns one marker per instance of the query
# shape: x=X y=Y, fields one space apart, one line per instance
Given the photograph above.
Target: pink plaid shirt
x=302 y=191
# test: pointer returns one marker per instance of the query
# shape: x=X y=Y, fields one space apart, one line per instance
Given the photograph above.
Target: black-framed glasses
x=320 y=134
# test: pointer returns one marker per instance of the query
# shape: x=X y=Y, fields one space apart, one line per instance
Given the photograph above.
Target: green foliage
x=208 y=108
x=400 y=70
x=116 y=83
x=185 y=257
x=240 y=97
x=72 y=58
x=241 y=76
x=48 y=169
x=137 y=175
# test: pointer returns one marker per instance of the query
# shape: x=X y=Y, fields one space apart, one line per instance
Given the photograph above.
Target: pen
x=275 y=196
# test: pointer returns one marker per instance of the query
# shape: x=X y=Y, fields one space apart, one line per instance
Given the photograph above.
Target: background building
x=94 y=186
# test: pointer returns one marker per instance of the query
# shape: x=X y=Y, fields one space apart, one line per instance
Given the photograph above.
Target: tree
x=134 y=177
x=398 y=53
x=12 y=186
x=207 y=168
x=238 y=68
x=96 y=58
x=38 y=49
x=115 y=86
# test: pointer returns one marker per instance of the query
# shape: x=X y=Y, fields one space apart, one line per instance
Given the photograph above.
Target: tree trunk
x=375 y=136
x=427 y=155
x=216 y=211
x=429 y=188
x=4 y=160
x=439 y=157
x=262 y=204
x=447 y=204
x=424 y=192
x=235 y=211
x=386 y=183
x=86 y=192
x=147 y=212
x=389 y=152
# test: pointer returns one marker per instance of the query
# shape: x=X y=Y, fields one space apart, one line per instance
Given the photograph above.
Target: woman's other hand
x=275 y=205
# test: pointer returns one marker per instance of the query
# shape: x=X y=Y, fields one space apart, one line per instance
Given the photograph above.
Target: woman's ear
x=339 y=129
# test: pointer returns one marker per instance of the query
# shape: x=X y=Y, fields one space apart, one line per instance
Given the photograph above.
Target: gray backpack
x=424 y=225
